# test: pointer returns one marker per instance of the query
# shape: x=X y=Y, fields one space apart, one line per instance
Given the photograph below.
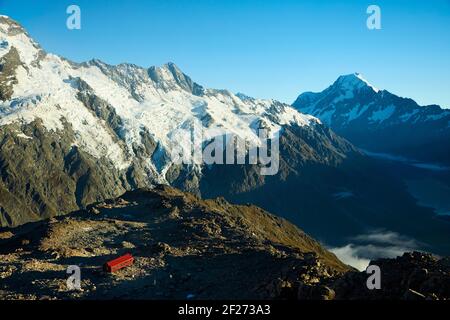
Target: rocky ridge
x=188 y=248
x=182 y=245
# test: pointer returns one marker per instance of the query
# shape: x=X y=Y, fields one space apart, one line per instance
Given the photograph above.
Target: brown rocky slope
x=186 y=247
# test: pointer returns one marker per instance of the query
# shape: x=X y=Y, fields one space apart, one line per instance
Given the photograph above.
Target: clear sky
x=268 y=49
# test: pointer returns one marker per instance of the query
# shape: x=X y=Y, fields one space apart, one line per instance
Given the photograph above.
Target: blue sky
x=268 y=49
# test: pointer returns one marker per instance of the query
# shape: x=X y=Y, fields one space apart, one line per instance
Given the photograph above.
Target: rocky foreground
x=188 y=248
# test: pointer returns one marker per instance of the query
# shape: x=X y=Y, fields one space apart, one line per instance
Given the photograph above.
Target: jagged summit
x=170 y=75
x=5 y=19
x=243 y=96
x=172 y=67
x=13 y=35
x=9 y=26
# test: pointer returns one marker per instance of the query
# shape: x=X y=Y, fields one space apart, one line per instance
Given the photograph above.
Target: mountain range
x=75 y=134
x=85 y=132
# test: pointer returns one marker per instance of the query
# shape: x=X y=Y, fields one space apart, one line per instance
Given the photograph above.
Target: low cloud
x=349 y=255
x=374 y=245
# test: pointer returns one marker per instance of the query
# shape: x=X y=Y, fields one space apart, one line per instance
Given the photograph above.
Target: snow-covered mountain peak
x=353 y=81
x=379 y=120
x=244 y=97
x=9 y=27
x=13 y=35
x=5 y=20
x=170 y=77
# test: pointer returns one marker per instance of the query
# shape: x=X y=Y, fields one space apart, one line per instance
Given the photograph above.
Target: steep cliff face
x=43 y=175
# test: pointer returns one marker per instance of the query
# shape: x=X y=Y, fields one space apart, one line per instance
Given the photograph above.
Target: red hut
x=119 y=263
